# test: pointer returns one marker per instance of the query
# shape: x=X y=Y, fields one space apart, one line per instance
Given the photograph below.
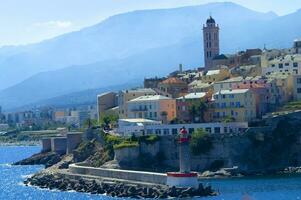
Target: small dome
x=210 y=20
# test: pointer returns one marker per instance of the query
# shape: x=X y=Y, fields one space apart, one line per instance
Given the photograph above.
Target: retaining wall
x=73 y=140
x=59 y=145
x=139 y=176
x=46 y=145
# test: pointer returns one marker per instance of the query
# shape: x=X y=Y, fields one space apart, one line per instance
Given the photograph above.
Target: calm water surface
x=11 y=187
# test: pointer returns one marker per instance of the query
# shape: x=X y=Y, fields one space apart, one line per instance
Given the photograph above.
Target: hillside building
x=155 y=107
x=239 y=105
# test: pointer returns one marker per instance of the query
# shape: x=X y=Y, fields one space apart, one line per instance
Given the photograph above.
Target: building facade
x=156 y=107
x=173 y=86
x=287 y=65
x=126 y=95
x=237 y=105
x=130 y=128
x=105 y=102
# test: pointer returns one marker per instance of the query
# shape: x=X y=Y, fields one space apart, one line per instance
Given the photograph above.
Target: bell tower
x=211 y=41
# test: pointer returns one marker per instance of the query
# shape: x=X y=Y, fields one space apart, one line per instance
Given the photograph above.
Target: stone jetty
x=115 y=189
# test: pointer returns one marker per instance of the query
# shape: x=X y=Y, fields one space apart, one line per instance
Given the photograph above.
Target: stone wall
x=59 y=145
x=73 y=140
x=127 y=156
x=46 y=145
x=146 y=177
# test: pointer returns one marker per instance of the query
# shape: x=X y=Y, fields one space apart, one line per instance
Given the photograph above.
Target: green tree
x=200 y=142
x=197 y=111
x=108 y=119
x=90 y=122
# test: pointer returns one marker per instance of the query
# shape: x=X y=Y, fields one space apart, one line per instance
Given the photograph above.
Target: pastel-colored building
x=155 y=107
x=105 y=102
x=295 y=84
x=173 y=86
x=184 y=104
x=239 y=105
x=126 y=95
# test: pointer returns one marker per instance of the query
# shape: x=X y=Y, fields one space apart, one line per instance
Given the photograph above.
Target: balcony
x=139 y=110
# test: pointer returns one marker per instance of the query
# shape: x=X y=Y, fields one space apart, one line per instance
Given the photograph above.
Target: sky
x=30 y=21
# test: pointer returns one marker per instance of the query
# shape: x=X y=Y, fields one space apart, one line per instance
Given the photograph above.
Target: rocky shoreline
x=48 y=159
x=115 y=189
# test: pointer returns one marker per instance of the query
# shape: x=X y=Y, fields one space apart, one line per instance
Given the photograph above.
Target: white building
x=128 y=127
x=138 y=127
x=289 y=64
x=4 y=127
x=154 y=107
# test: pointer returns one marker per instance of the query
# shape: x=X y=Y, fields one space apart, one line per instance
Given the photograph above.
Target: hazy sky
x=27 y=21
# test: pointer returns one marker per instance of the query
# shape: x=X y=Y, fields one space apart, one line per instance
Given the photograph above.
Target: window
x=280 y=65
x=232 y=96
x=273 y=65
x=298 y=90
x=225 y=129
x=217 y=130
x=237 y=104
x=295 y=64
x=208 y=130
x=224 y=96
x=217 y=105
x=215 y=96
x=155 y=114
x=149 y=131
x=232 y=104
x=174 y=131
x=298 y=80
x=216 y=114
x=224 y=105
x=232 y=112
x=158 y=131
x=166 y=131
x=287 y=64
x=190 y=130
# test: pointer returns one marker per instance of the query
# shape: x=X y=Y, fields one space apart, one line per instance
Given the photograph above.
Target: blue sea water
x=11 y=187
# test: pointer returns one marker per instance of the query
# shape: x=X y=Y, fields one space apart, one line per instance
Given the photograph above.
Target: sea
x=12 y=187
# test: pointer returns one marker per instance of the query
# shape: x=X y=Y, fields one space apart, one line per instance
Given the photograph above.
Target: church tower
x=211 y=41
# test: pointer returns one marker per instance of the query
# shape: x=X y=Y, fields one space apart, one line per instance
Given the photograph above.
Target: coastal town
x=236 y=116
x=228 y=94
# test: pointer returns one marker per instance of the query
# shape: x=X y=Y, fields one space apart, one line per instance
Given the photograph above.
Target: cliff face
x=258 y=151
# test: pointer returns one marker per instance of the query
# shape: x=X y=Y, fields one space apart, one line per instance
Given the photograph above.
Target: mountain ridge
x=164 y=40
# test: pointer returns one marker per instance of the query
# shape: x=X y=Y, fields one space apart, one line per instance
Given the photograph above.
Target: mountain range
x=131 y=46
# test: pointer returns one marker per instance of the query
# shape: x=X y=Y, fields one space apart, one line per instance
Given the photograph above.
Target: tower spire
x=211 y=41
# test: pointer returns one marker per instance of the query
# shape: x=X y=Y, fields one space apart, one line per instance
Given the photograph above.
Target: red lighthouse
x=183 y=178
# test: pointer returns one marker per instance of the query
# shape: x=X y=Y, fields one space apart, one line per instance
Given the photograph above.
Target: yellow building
x=156 y=107
x=126 y=95
x=294 y=84
x=238 y=104
x=105 y=102
x=215 y=75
